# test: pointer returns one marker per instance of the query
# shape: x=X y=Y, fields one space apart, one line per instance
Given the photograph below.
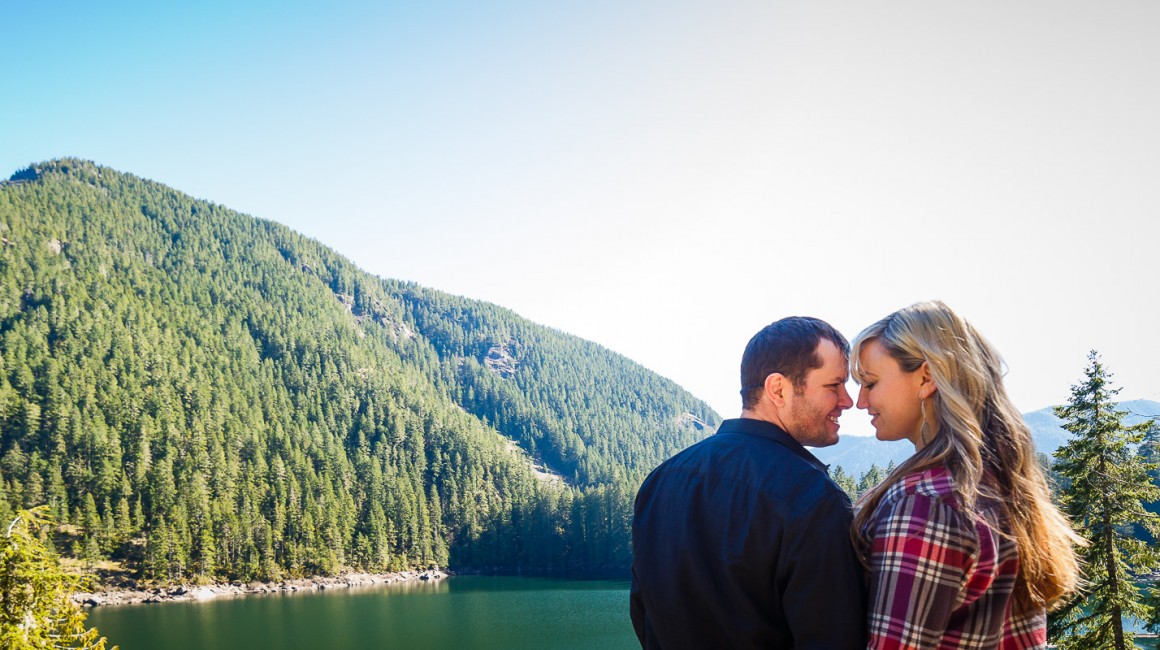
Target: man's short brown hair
x=788 y=346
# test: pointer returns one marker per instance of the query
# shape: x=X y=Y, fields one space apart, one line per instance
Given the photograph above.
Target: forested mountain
x=206 y=394
x=596 y=417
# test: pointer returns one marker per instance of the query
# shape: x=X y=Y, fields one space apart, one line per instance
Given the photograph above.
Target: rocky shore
x=131 y=596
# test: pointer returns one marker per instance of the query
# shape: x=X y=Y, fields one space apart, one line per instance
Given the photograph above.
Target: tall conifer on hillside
x=36 y=610
x=844 y=481
x=872 y=477
x=1107 y=485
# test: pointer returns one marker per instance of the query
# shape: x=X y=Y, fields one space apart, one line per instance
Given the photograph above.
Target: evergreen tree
x=36 y=611
x=872 y=477
x=1106 y=486
x=845 y=481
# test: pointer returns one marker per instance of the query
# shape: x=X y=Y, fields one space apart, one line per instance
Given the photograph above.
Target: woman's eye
x=869 y=385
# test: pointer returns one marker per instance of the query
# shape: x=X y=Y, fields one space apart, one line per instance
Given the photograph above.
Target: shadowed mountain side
x=855 y=454
x=588 y=413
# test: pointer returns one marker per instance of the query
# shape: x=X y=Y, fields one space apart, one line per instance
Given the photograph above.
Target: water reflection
x=460 y=612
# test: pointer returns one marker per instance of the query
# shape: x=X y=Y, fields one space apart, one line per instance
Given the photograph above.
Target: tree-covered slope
x=203 y=393
x=588 y=413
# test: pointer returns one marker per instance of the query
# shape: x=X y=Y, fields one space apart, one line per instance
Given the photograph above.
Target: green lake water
x=469 y=612
x=485 y=612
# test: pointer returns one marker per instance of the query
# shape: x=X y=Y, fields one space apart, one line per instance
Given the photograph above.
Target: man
x=742 y=540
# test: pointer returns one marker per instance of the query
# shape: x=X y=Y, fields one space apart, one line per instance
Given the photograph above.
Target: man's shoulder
x=737 y=457
x=730 y=446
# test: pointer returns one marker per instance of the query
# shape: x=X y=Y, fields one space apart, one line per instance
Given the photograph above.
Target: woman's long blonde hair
x=981 y=440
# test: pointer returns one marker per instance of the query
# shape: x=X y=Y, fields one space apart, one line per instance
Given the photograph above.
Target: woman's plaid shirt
x=939 y=579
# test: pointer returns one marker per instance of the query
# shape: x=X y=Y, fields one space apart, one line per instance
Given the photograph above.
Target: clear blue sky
x=662 y=178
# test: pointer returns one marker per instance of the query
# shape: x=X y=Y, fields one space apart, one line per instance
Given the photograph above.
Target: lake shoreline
x=124 y=591
x=482 y=612
x=117 y=595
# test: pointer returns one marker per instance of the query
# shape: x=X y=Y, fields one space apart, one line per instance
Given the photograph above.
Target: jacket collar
x=763 y=429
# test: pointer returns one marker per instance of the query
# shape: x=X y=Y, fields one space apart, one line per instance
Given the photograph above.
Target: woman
x=963 y=545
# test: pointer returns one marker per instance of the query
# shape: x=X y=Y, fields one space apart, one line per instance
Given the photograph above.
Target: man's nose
x=845 y=402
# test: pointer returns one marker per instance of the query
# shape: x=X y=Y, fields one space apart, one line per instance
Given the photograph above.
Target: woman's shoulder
x=933 y=483
x=921 y=504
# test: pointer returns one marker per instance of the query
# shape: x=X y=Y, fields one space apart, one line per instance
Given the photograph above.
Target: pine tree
x=1107 y=485
x=35 y=608
x=872 y=477
x=845 y=481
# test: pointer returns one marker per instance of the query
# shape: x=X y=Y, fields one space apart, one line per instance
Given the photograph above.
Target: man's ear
x=926 y=385
x=775 y=388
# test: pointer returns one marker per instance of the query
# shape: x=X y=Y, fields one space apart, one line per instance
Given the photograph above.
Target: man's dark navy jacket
x=743 y=541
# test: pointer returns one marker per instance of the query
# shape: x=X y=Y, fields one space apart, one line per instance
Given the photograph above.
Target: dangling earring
x=922 y=431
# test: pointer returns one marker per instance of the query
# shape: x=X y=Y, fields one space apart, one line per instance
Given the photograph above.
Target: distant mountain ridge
x=855 y=454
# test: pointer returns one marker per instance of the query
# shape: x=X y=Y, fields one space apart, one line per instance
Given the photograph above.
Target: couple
x=743 y=541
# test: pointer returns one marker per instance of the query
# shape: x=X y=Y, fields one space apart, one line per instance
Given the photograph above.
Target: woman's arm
x=920 y=558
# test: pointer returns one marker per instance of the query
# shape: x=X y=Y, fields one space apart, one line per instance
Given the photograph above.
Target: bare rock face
x=205 y=593
x=500 y=360
x=688 y=419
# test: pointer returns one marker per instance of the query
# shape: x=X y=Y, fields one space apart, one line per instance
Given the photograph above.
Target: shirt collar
x=763 y=429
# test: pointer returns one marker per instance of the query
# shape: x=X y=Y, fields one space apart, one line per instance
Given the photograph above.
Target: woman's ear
x=926 y=385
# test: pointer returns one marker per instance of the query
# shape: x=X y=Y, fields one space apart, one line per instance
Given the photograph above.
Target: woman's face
x=890 y=395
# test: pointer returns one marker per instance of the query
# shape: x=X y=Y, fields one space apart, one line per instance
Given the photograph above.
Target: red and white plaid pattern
x=939 y=579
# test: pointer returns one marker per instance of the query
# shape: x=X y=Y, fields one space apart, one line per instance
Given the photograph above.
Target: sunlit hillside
x=196 y=392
